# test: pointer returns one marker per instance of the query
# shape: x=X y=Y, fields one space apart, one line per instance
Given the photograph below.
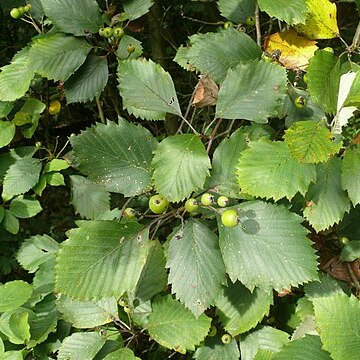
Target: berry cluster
x=17 y=13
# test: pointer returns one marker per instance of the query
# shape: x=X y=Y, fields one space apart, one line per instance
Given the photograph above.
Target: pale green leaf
x=13 y=355
x=15 y=78
x=327 y=286
x=21 y=176
x=87 y=314
x=90 y=200
x=14 y=294
x=175 y=327
x=268 y=248
x=211 y=54
x=57 y=56
x=215 y=349
x=78 y=17
x=145 y=85
x=95 y=254
x=311 y=142
x=252 y=91
x=117 y=156
x=350 y=251
x=239 y=310
x=35 y=251
x=55 y=179
x=136 y=8
x=224 y=161
x=326 y=202
x=353 y=98
x=7 y=132
x=44 y=279
x=197 y=270
x=10 y=222
x=267 y=169
x=264 y=338
x=89 y=81
x=123 y=354
x=236 y=10
x=2 y=347
x=181 y=166
x=14 y=324
x=153 y=278
x=306 y=348
x=337 y=318
x=323 y=75
x=56 y=165
x=25 y=208
x=306 y=327
x=81 y=346
x=292 y=12
x=5 y=108
x=350 y=174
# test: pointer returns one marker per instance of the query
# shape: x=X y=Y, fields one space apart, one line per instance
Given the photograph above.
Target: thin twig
x=212 y=136
x=101 y=112
x=257 y=25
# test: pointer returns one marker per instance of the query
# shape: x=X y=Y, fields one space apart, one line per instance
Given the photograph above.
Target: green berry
x=226 y=339
x=300 y=102
x=28 y=7
x=191 y=205
x=123 y=302
x=207 y=199
x=101 y=32
x=129 y=213
x=158 y=204
x=119 y=32
x=108 y=32
x=250 y=21
x=344 y=240
x=228 y=25
x=229 y=218
x=127 y=309
x=15 y=13
x=130 y=48
x=212 y=331
x=222 y=201
x=22 y=10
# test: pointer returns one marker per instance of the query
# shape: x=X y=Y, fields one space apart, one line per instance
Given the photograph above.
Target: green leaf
x=25 y=208
x=5 y=108
x=123 y=54
x=56 y=165
x=239 y=310
x=136 y=8
x=44 y=279
x=214 y=349
x=2 y=347
x=311 y=142
x=14 y=324
x=292 y=12
x=89 y=81
x=147 y=86
x=337 y=318
x=210 y=54
x=10 y=222
x=14 y=294
x=117 y=156
x=80 y=346
x=153 y=278
x=7 y=132
x=353 y=98
x=13 y=355
x=350 y=251
x=57 y=56
x=89 y=200
x=87 y=314
x=236 y=10
x=197 y=271
x=75 y=17
x=224 y=161
x=95 y=254
x=35 y=251
x=123 y=354
x=323 y=75
x=252 y=91
x=327 y=286
x=55 y=179
x=268 y=249
x=326 y=201
x=350 y=175
x=265 y=338
x=15 y=78
x=175 y=327
x=267 y=169
x=21 y=177
x=306 y=348
x=181 y=166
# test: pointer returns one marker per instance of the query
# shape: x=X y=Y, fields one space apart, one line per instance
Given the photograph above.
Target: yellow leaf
x=295 y=50
x=320 y=21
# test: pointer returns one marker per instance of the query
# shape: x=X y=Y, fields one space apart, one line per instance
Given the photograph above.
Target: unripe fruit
x=222 y=201
x=123 y=302
x=250 y=21
x=226 y=339
x=108 y=32
x=300 y=102
x=191 y=205
x=130 y=49
x=207 y=199
x=22 y=10
x=229 y=218
x=127 y=309
x=129 y=213
x=101 y=32
x=213 y=331
x=344 y=240
x=119 y=32
x=228 y=25
x=28 y=7
x=54 y=107
x=15 y=13
x=158 y=204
